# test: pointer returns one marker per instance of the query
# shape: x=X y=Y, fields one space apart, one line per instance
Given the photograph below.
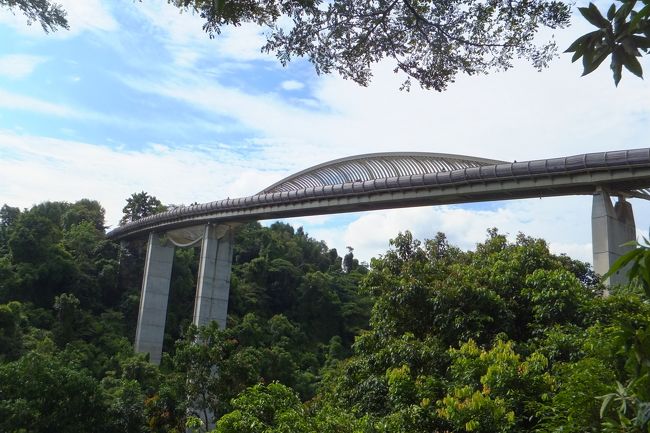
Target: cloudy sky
x=135 y=97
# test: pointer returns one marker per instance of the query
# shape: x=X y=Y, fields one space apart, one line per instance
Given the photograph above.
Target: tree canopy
x=505 y=338
x=48 y=14
x=140 y=205
x=429 y=41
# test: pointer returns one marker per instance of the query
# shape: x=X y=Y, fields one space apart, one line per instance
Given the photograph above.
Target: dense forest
x=427 y=338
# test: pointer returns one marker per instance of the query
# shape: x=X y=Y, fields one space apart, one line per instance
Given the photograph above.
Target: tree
x=623 y=32
x=49 y=15
x=272 y=409
x=42 y=393
x=140 y=205
x=473 y=341
x=429 y=41
x=8 y=215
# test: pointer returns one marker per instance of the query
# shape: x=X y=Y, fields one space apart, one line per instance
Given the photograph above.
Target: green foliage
x=479 y=341
x=40 y=393
x=429 y=42
x=458 y=296
x=8 y=216
x=140 y=205
x=476 y=411
x=506 y=338
x=623 y=32
x=273 y=408
x=215 y=365
x=637 y=264
x=281 y=271
x=555 y=297
x=54 y=248
x=11 y=331
x=495 y=387
x=49 y=15
x=574 y=406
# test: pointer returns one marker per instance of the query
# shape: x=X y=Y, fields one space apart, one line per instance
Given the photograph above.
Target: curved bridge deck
x=618 y=172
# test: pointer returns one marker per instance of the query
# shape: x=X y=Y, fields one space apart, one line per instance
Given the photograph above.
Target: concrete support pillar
x=213 y=283
x=611 y=227
x=153 y=298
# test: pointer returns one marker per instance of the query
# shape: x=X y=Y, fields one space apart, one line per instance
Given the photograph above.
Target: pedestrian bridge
x=373 y=182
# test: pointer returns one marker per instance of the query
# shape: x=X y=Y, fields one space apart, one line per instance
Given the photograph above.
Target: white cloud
x=292 y=85
x=243 y=43
x=35 y=169
x=19 y=65
x=522 y=114
x=564 y=222
x=181 y=32
x=14 y=101
x=89 y=15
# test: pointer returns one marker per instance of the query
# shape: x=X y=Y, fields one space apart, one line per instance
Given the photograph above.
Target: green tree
x=49 y=15
x=84 y=210
x=11 y=331
x=470 y=341
x=8 y=216
x=140 y=205
x=273 y=408
x=429 y=42
x=41 y=393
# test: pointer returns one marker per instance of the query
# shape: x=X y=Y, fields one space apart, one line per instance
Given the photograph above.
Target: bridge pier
x=153 y=297
x=611 y=227
x=213 y=282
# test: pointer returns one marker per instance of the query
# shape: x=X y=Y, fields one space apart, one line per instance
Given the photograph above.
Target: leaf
x=630 y=256
x=576 y=56
x=596 y=61
x=632 y=64
x=625 y=10
x=611 y=12
x=642 y=414
x=579 y=42
x=643 y=13
x=640 y=42
x=587 y=59
x=607 y=399
x=593 y=15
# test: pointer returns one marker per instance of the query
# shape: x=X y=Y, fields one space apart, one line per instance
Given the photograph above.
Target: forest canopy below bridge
x=505 y=338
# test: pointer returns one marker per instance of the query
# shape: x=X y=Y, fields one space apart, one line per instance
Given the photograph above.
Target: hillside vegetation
x=428 y=338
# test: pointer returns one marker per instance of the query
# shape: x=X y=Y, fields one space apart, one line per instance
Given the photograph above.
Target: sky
x=136 y=97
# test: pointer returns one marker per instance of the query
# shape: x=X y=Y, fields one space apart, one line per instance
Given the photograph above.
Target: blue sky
x=136 y=97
